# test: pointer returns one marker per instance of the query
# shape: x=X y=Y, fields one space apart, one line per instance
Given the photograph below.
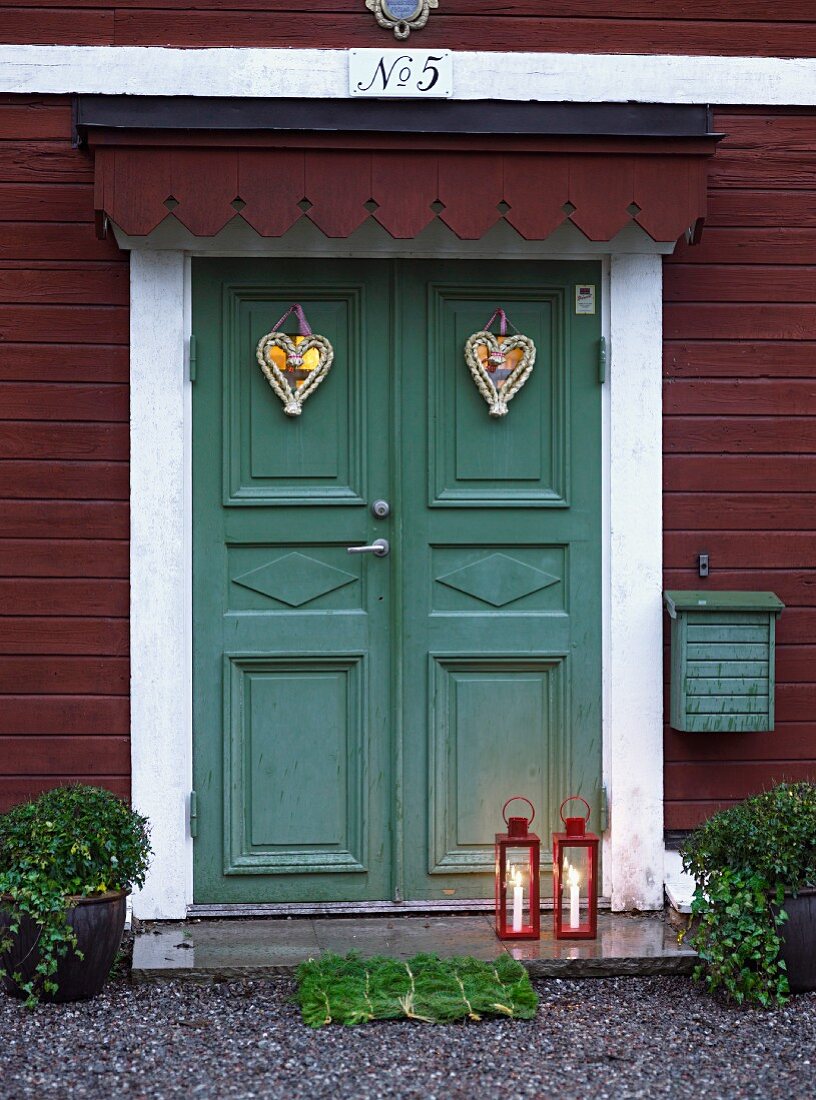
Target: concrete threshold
x=228 y=950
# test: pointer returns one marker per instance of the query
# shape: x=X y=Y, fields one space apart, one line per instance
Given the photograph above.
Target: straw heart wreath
x=306 y=358
x=499 y=373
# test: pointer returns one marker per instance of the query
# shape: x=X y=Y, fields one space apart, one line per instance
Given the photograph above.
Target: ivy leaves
x=745 y=859
x=737 y=938
x=71 y=841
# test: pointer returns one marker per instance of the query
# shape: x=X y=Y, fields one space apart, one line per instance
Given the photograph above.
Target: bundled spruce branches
x=351 y=990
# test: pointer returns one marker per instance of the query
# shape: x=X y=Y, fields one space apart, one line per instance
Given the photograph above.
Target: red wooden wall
x=786 y=28
x=740 y=436
x=740 y=442
x=63 y=465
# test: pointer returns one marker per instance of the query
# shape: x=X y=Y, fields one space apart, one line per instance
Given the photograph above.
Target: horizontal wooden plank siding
x=619 y=26
x=739 y=367
x=18 y=788
x=740 y=437
x=64 y=448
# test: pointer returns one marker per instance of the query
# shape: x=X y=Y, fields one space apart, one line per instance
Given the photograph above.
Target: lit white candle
x=575 y=919
x=518 y=900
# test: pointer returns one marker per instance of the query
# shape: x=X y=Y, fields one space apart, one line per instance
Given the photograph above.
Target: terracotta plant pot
x=98 y=923
x=798 y=935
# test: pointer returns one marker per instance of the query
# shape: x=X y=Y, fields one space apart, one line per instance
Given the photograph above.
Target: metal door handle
x=379 y=548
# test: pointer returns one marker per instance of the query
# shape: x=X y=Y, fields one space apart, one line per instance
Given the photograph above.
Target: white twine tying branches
x=408 y=1002
x=498 y=397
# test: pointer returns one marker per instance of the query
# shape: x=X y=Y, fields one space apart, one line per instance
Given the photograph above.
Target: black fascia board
x=193 y=113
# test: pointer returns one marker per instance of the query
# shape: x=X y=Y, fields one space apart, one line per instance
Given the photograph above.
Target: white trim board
x=161 y=575
x=318 y=74
x=161 y=746
x=633 y=675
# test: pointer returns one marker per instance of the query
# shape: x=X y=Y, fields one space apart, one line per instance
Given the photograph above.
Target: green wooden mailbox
x=722 y=660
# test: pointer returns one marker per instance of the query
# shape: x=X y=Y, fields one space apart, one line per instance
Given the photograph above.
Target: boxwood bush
x=745 y=860
x=74 y=841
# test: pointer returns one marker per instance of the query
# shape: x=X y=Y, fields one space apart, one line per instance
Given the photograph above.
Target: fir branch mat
x=352 y=990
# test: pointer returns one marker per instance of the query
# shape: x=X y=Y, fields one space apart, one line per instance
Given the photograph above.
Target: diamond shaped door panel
x=295 y=579
x=498 y=580
x=524 y=579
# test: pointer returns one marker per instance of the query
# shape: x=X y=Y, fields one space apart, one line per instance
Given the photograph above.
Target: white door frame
x=161 y=614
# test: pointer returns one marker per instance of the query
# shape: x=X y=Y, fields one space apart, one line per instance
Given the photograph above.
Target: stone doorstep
x=229 y=950
x=678 y=884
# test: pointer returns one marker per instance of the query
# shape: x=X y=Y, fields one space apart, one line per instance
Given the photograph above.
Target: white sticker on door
x=584 y=298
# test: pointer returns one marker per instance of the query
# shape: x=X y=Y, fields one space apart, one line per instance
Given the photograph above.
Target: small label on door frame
x=585 y=298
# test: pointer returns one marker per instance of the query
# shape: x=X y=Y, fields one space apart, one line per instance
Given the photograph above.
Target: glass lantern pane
x=517 y=887
x=574 y=886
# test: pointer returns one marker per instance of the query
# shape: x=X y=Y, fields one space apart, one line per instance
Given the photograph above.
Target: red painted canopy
x=338 y=181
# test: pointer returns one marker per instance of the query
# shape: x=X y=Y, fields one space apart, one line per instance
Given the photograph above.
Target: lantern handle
x=523 y=799
x=574 y=798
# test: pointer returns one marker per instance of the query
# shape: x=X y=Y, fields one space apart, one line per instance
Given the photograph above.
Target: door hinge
x=603 y=810
x=602 y=360
x=193 y=814
x=192 y=358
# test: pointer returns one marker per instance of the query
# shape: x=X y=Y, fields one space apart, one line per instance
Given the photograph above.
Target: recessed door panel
x=472 y=699
x=269 y=457
x=274 y=821
x=476 y=460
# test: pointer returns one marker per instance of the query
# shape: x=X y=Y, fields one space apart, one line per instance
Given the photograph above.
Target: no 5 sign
x=418 y=74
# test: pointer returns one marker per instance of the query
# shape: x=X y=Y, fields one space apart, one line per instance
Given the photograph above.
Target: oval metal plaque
x=401 y=16
x=402 y=9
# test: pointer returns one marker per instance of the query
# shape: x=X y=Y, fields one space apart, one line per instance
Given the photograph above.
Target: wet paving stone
x=218 y=950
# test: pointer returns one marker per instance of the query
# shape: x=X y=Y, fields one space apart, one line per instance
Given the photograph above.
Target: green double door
x=360 y=719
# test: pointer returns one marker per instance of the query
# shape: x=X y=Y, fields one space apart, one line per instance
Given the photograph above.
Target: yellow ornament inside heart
x=499 y=372
x=311 y=359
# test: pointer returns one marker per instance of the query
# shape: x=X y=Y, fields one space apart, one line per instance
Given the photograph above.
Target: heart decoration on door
x=305 y=358
x=501 y=364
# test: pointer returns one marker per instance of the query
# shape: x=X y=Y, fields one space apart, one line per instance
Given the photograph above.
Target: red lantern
x=575 y=878
x=518 y=861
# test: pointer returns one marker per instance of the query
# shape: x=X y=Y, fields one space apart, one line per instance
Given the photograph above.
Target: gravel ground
x=613 y=1037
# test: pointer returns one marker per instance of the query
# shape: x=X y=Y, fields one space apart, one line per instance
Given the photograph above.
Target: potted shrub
x=68 y=860
x=755 y=868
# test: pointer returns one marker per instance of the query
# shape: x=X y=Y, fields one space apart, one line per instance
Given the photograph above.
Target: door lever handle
x=379 y=548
